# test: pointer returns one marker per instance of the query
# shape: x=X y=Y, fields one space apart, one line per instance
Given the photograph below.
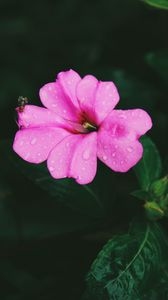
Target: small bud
x=153 y=211
x=159 y=188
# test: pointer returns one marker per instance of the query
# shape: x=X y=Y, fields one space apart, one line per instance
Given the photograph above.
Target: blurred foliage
x=44 y=224
x=129 y=265
x=162 y=4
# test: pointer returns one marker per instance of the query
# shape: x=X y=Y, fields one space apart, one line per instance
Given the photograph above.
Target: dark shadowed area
x=50 y=232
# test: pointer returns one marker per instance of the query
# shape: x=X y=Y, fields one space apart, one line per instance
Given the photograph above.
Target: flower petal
x=60 y=157
x=119 y=155
x=86 y=90
x=106 y=99
x=97 y=99
x=35 y=144
x=84 y=162
x=75 y=157
x=53 y=97
x=135 y=120
x=118 y=145
x=68 y=80
x=34 y=116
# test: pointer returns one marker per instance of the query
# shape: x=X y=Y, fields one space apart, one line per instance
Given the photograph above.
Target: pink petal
x=97 y=99
x=84 y=162
x=60 y=157
x=118 y=146
x=34 y=144
x=53 y=97
x=135 y=120
x=106 y=99
x=75 y=157
x=68 y=81
x=121 y=154
x=86 y=90
x=34 y=116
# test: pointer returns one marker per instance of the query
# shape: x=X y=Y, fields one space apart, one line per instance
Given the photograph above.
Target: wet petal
x=35 y=144
x=34 y=116
x=135 y=120
x=68 y=80
x=97 y=99
x=86 y=90
x=118 y=145
x=84 y=162
x=75 y=157
x=121 y=154
x=60 y=157
x=106 y=99
x=53 y=97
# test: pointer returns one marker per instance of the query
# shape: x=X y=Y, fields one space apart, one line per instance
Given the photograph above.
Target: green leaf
x=141 y=194
x=159 y=188
x=128 y=265
x=159 y=62
x=149 y=168
x=162 y=4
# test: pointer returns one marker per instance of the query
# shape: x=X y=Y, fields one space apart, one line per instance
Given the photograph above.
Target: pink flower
x=78 y=125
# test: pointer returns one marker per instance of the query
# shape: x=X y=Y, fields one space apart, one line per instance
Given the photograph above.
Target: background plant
x=54 y=234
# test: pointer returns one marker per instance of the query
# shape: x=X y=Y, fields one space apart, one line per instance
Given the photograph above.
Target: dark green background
x=120 y=40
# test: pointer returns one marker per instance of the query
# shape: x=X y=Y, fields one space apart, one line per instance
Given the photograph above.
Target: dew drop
x=86 y=155
x=121 y=162
x=54 y=105
x=33 y=141
x=113 y=154
x=129 y=149
x=104 y=157
x=51 y=169
x=122 y=116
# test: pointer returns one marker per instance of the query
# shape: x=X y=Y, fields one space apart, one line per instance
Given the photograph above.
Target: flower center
x=89 y=127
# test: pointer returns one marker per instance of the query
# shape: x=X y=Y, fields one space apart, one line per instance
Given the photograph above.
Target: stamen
x=89 y=126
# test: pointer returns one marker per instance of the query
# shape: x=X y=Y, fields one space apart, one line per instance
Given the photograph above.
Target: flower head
x=79 y=124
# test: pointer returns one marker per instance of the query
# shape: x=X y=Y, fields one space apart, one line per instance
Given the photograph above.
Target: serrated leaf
x=149 y=168
x=162 y=4
x=128 y=265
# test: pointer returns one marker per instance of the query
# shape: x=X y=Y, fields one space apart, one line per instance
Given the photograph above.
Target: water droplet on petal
x=33 y=141
x=51 y=169
x=54 y=105
x=122 y=116
x=86 y=155
x=121 y=162
x=113 y=154
x=129 y=149
x=104 y=157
